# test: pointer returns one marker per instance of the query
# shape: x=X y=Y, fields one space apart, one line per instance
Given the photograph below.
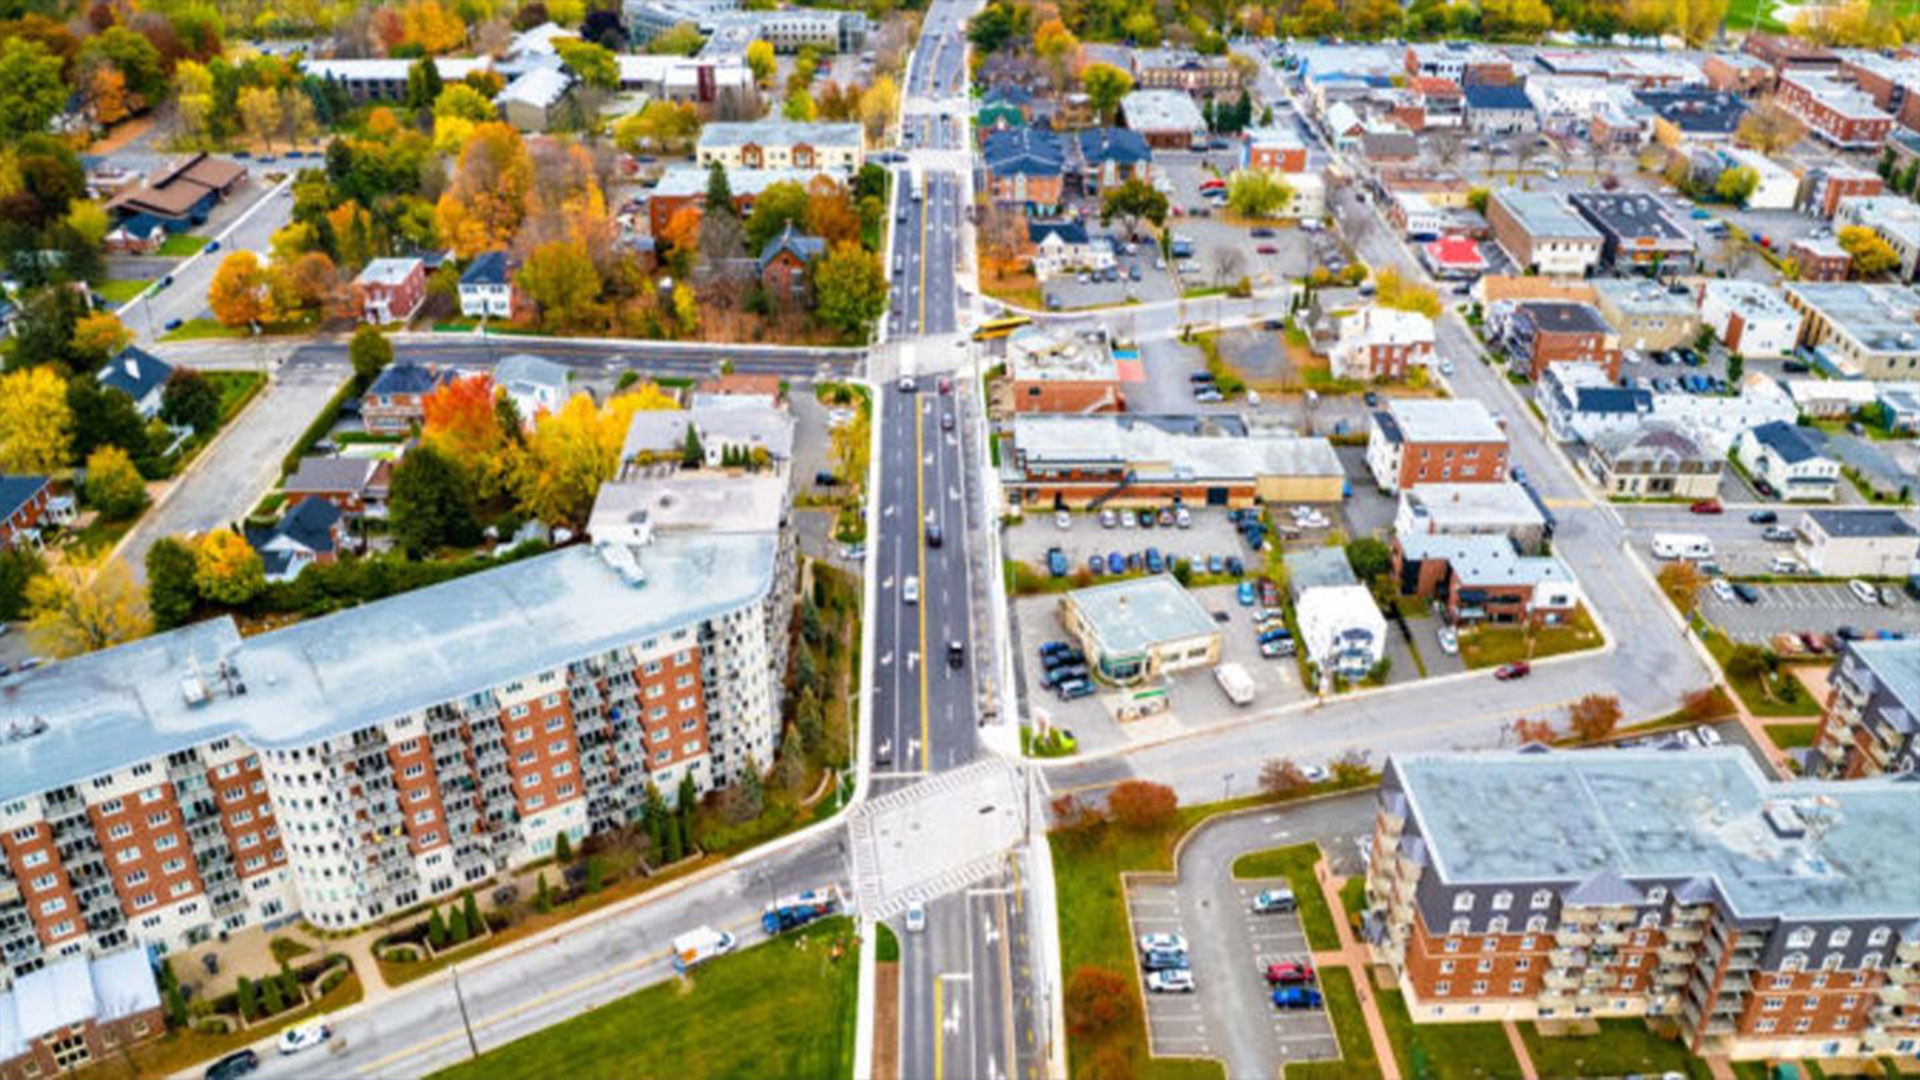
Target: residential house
x=535 y=385
x=486 y=287
x=785 y=264
x=1499 y=110
x=782 y=144
x=1064 y=247
x=1542 y=234
x=1857 y=543
x=1054 y=371
x=1580 y=403
x=1750 y=318
x=23 y=505
x=1827 y=184
x=391 y=290
x=1836 y=112
x=75 y=1010
x=1782 y=457
x=1507 y=509
x=1341 y=631
x=1542 y=333
x=1443 y=104
x=1646 y=314
x=1129 y=459
x=1167 y=119
x=1418 y=441
x=395 y=403
x=1653 y=460
x=140 y=375
x=1102 y=157
x=535 y=100
x=727 y=429
x=312 y=531
x=1024 y=166
x=686 y=185
x=1382 y=343
x=1637 y=231
x=1344 y=126
x=136 y=234
x=1871 y=723
x=357 y=486
x=1484 y=579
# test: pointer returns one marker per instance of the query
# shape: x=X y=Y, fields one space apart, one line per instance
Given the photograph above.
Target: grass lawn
x=785 y=1008
x=205 y=329
x=1792 y=736
x=98 y=537
x=1741 y=15
x=1353 y=898
x=235 y=387
x=1447 y=1051
x=1761 y=693
x=1491 y=646
x=119 y=290
x=180 y=245
x=1618 y=1048
x=1296 y=865
x=1357 y=1058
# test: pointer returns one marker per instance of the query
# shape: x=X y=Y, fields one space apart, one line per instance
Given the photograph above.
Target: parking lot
x=1817 y=608
x=1176 y=1023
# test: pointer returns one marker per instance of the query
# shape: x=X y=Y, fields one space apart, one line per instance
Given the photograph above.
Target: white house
x=1715 y=421
x=486 y=289
x=1778 y=188
x=1782 y=456
x=1580 y=404
x=1341 y=629
x=141 y=376
x=1832 y=399
x=1381 y=343
x=1750 y=318
x=535 y=385
x=1421 y=220
x=1063 y=247
x=1857 y=543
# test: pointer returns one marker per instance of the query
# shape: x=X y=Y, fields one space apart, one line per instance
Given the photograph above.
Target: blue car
x=1134 y=562
x=1278 y=633
x=1216 y=565
x=1296 y=997
x=1097 y=565
x=1155 y=563
x=1235 y=566
x=1116 y=563
x=1246 y=594
x=1056 y=562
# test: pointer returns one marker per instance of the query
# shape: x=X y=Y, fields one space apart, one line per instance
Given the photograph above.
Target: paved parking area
x=1176 y=1023
x=1298 y=1034
x=1821 y=608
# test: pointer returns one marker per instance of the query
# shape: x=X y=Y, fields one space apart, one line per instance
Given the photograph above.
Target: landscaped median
x=785 y=1008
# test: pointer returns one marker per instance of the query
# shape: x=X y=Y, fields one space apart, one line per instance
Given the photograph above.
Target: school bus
x=1001 y=327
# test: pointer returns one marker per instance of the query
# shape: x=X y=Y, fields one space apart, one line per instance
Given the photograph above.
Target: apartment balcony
x=1736 y=982
x=1565 y=957
x=1686 y=933
x=1575 y=936
x=1669 y=954
x=1615 y=936
x=1676 y=976
x=1908 y=950
x=1896 y=994
x=1719 y=1025
x=1892 y=1016
x=1904 y=974
x=1561 y=980
x=1832 y=748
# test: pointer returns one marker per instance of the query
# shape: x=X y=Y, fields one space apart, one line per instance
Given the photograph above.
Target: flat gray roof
x=1896 y=665
x=1545 y=215
x=1480 y=559
x=779 y=133
x=1455 y=504
x=329 y=676
x=1882 y=318
x=1171 y=448
x=1445 y=420
x=1130 y=617
x=1564 y=816
x=1161 y=110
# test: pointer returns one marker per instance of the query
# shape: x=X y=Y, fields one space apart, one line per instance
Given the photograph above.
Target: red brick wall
x=1286 y=159
x=416 y=788
x=1450 y=463
x=1826 y=1006
x=146 y=826
x=18 y=851
x=1556 y=348
x=1056 y=396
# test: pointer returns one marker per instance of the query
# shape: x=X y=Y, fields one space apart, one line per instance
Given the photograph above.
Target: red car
x=946 y=385
x=1267 y=249
x=1289 y=973
x=1519 y=669
x=1707 y=506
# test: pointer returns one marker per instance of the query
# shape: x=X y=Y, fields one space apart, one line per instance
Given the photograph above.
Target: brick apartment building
x=1869 y=726
x=1748 y=76
x=1484 y=579
x=77 y=1012
x=1836 y=112
x=1542 y=233
x=1546 y=332
x=1827 y=185
x=348 y=767
x=1050 y=372
x=1741 y=915
x=1453 y=441
x=1784 y=53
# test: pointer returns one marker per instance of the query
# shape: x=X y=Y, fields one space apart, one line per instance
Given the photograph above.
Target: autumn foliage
x=1594 y=717
x=1098 y=1000
x=1142 y=804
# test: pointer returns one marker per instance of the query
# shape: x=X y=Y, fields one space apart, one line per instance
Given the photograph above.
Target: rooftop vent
x=1785 y=821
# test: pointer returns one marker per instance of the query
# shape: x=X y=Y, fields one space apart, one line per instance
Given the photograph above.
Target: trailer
x=696 y=946
x=1233 y=679
x=799 y=909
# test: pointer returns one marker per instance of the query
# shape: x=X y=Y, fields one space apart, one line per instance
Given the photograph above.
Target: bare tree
x=1228 y=264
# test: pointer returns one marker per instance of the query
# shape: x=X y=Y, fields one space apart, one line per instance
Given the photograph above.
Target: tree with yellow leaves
x=572 y=452
x=1769 y=128
x=71 y=613
x=1391 y=291
x=36 y=426
x=561 y=281
x=260 y=115
x=878 y=105
x=239 y=295
x=226 y=569
x=481 y=209
x=101 y=335
x=760 y=61
x=433 y=28
x=1056 y=45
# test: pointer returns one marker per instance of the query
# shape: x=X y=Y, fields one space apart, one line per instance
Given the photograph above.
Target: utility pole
x=465 y=1021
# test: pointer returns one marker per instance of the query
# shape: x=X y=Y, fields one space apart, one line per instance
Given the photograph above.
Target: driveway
x=231 y=475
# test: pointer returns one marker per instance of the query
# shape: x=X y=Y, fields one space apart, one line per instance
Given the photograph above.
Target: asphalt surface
x=186 y=298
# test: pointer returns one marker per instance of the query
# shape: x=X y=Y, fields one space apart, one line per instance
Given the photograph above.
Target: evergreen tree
x=471 y=908
x=656 y=820
x=176 y=1008
x=719 y=191
x=542 y=901
x=457 y=927
x=270 y=999
x=562 y=848
x=423 y=84
x=691 y=453
x=289 y=984
x=594 y=873
x=675 y=849
x=436 y=930
x=683 y=805
x=249 y=1007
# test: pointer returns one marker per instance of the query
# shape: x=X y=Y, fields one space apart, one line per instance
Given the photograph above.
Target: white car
x=1170 y=981
x=1163 y=943
x=1449 y=641
x=1446 y=367
x=1314 y=773
x=1783 y=564
x=1126 y=520
x=1062 y=519
x=916 y=917
x=1107 y=519
x=1723 y=590
x=1864 y=592
x=1707 y=735
x=910 y=590
x=305 y=1037
x=1181 y=518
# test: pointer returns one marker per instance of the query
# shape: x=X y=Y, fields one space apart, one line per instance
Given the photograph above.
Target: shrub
x=1098 y=1000
x=1142 y=804
x=457 y=928
x=1281 y=777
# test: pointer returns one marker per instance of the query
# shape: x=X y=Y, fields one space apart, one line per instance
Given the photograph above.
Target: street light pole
x=466 y=1022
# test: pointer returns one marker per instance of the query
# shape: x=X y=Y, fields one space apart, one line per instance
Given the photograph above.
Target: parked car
x=1155 y=563
x=1864 y=591
x=1057 y=562
x=1779 y=534
x=1289 y=973
x=1170 y=981
x=1216 y=565
x=1449 y=640
x=1723 y=590
x=1297 y=997
x=1271 y=901
x=1108 y=519
x=1747 y=593
x=304 y=1037
x=1182 y=518
x=1172 y=942
x=1706 y=506
x=1074 y=689
x=1519 y=669
x=1245 y=593
x=1163 y=959
x=1096 y=565
x=1116 y=563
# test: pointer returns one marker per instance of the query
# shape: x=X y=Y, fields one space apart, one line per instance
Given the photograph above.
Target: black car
x=1372 y=399
x=1763 y=517
x=238 y=1063
x=1747 y=593
x=956 y=654
x=933 y=535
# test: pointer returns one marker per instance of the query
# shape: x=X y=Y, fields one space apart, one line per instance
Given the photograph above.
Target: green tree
x=1736 y=367
x=19 y=565
x=594 y=64
x=270 y=1000
x=1736 y=185
x=684 y=39
x=778 y=206
x=1105 y=85
x=190 y=400
x=105 y=416
x=457 y=927
x=542 y=899
x=431 y=503
x=32 y=91
x=1133 y=201
x=370 y=352
x=719 y=192
x=176 y=1005
x=172 y=595
x=437 y=930
x=691 y=452
x=849 y=289
x=1369 y=557
x=249 y=1003
x=471 y=908
x=129 y=52
x=1256 y=194
x=595 y=872
x=113 y=485
x=562 y=847
x=423 y=84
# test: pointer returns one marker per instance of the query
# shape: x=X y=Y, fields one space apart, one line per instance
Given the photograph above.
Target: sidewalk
x=1353 y=956
x=1520 y=1055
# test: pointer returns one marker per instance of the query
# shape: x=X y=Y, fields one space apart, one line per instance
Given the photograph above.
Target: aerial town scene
x=959 y=539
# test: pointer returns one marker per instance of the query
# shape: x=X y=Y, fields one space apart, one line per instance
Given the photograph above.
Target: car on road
x=1169 y=942
x=946 y=384
x=1449 y=640
x=1519 y=669
x=1266 y=249
x=910 y=590
x=946 y=421
x=1163 y=959
x=916 y=917
x=1296 y=997
x=174 y=324
x=1778 y=534
x=239 y=1063
x=304 y=1037
x=1706 y=506
x=1289 y=973
x=1271 y=901
x=906 y=384
x=1763 y=517
x=1170 y=981
x=956 y=654
x=933 y=534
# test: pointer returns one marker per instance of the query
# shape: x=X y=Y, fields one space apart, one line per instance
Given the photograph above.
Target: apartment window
x=685 y=680
x=1542 y=898
x=1485 y=964
x=119 y=831
x=1800 y=938
x=658 y=712
x=430 y=839
x=1443 y=988
x=1650 y=920
x=556 y=723
x=1849 y=1002
x=1839 y=938
x=662 y=734
x=1868 y=962
x=414 y=771
x=683 y=656
x=1463 y=901
x=1527 y=942
x=1523 y=963
x=127 y=855
x=1879 y=936
x=551 y=701
x=111 y=806
x=152 y=795
x=423 y=817
x=33 y=858
x=1453 y=943
x=1657 y=894
x=1497 y=924
x=522 y=735
x=656 y=690
x=1517 y=987
x=1773 y=1004
x=1633 y=959
x=531 y=780
x=166 y=842
x=1627 y=981
x=1446 y=967
x=557 y=746
x=561 y=769
x=1782 y=982
x=53 y=906
x=138 y=877
x=180 y=888
x=1479 y=986
x=1794 y=962
x=661 y=757
x=688 y=702
x=144 y=900
x=174 y=865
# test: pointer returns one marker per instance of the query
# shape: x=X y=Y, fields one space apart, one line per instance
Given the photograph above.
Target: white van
x=1682 y=546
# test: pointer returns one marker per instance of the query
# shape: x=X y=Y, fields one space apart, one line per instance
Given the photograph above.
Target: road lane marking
x=920 y=548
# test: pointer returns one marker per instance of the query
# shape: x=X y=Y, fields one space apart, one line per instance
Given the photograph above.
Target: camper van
x=1682 y=546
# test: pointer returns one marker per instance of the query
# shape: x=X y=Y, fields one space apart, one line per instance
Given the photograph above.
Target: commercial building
x=1750 y=318
x=1464 y=63
x=1831 y=399
x=182 y=194
x=1836 y=112
x=1827 y=184
x=1820 y=258
x=1716 y=421
x=1693 y=116
x=1860 y=331
x=1435 y=441
x=1891 y=218
x=1505 y=509
x=1215 y=459
x=1872 y=713
x=1051 y=371
x=1541 y=234
x=1646 y=314
x=728 y=427
x=1653 y=461
x=1763 y=918
x=1484 y=579
x=1382 y=343
x=1784 y=458
x=1638 y=231
x=536 y=100
x=1167 y=119
x=1141 y=629
x=1184 y=70
x=1273 y=149
x=1748 y=76
x=1499 y=109
x=782 y=144
x=686 y=185
x=1453 y=257
x=1857 y=543
x=1341 y=630
x=77 y=1012
x=379 y=79
x=1542 y=333
x=1785 y=53
x=1025 y=166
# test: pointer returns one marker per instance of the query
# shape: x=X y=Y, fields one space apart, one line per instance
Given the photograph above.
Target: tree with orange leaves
x=464 y=421
x=482 y=208
x=107 y=94
x=433 y=28
x=682 y=237
x=572 y=452
x=101 y=335
x=830 y=213
x=307 y=283
x=239 y=295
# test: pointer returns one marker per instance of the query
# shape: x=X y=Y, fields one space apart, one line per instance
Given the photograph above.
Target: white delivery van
x=1236 y=682
x=1682 y=546
x=695 y=946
